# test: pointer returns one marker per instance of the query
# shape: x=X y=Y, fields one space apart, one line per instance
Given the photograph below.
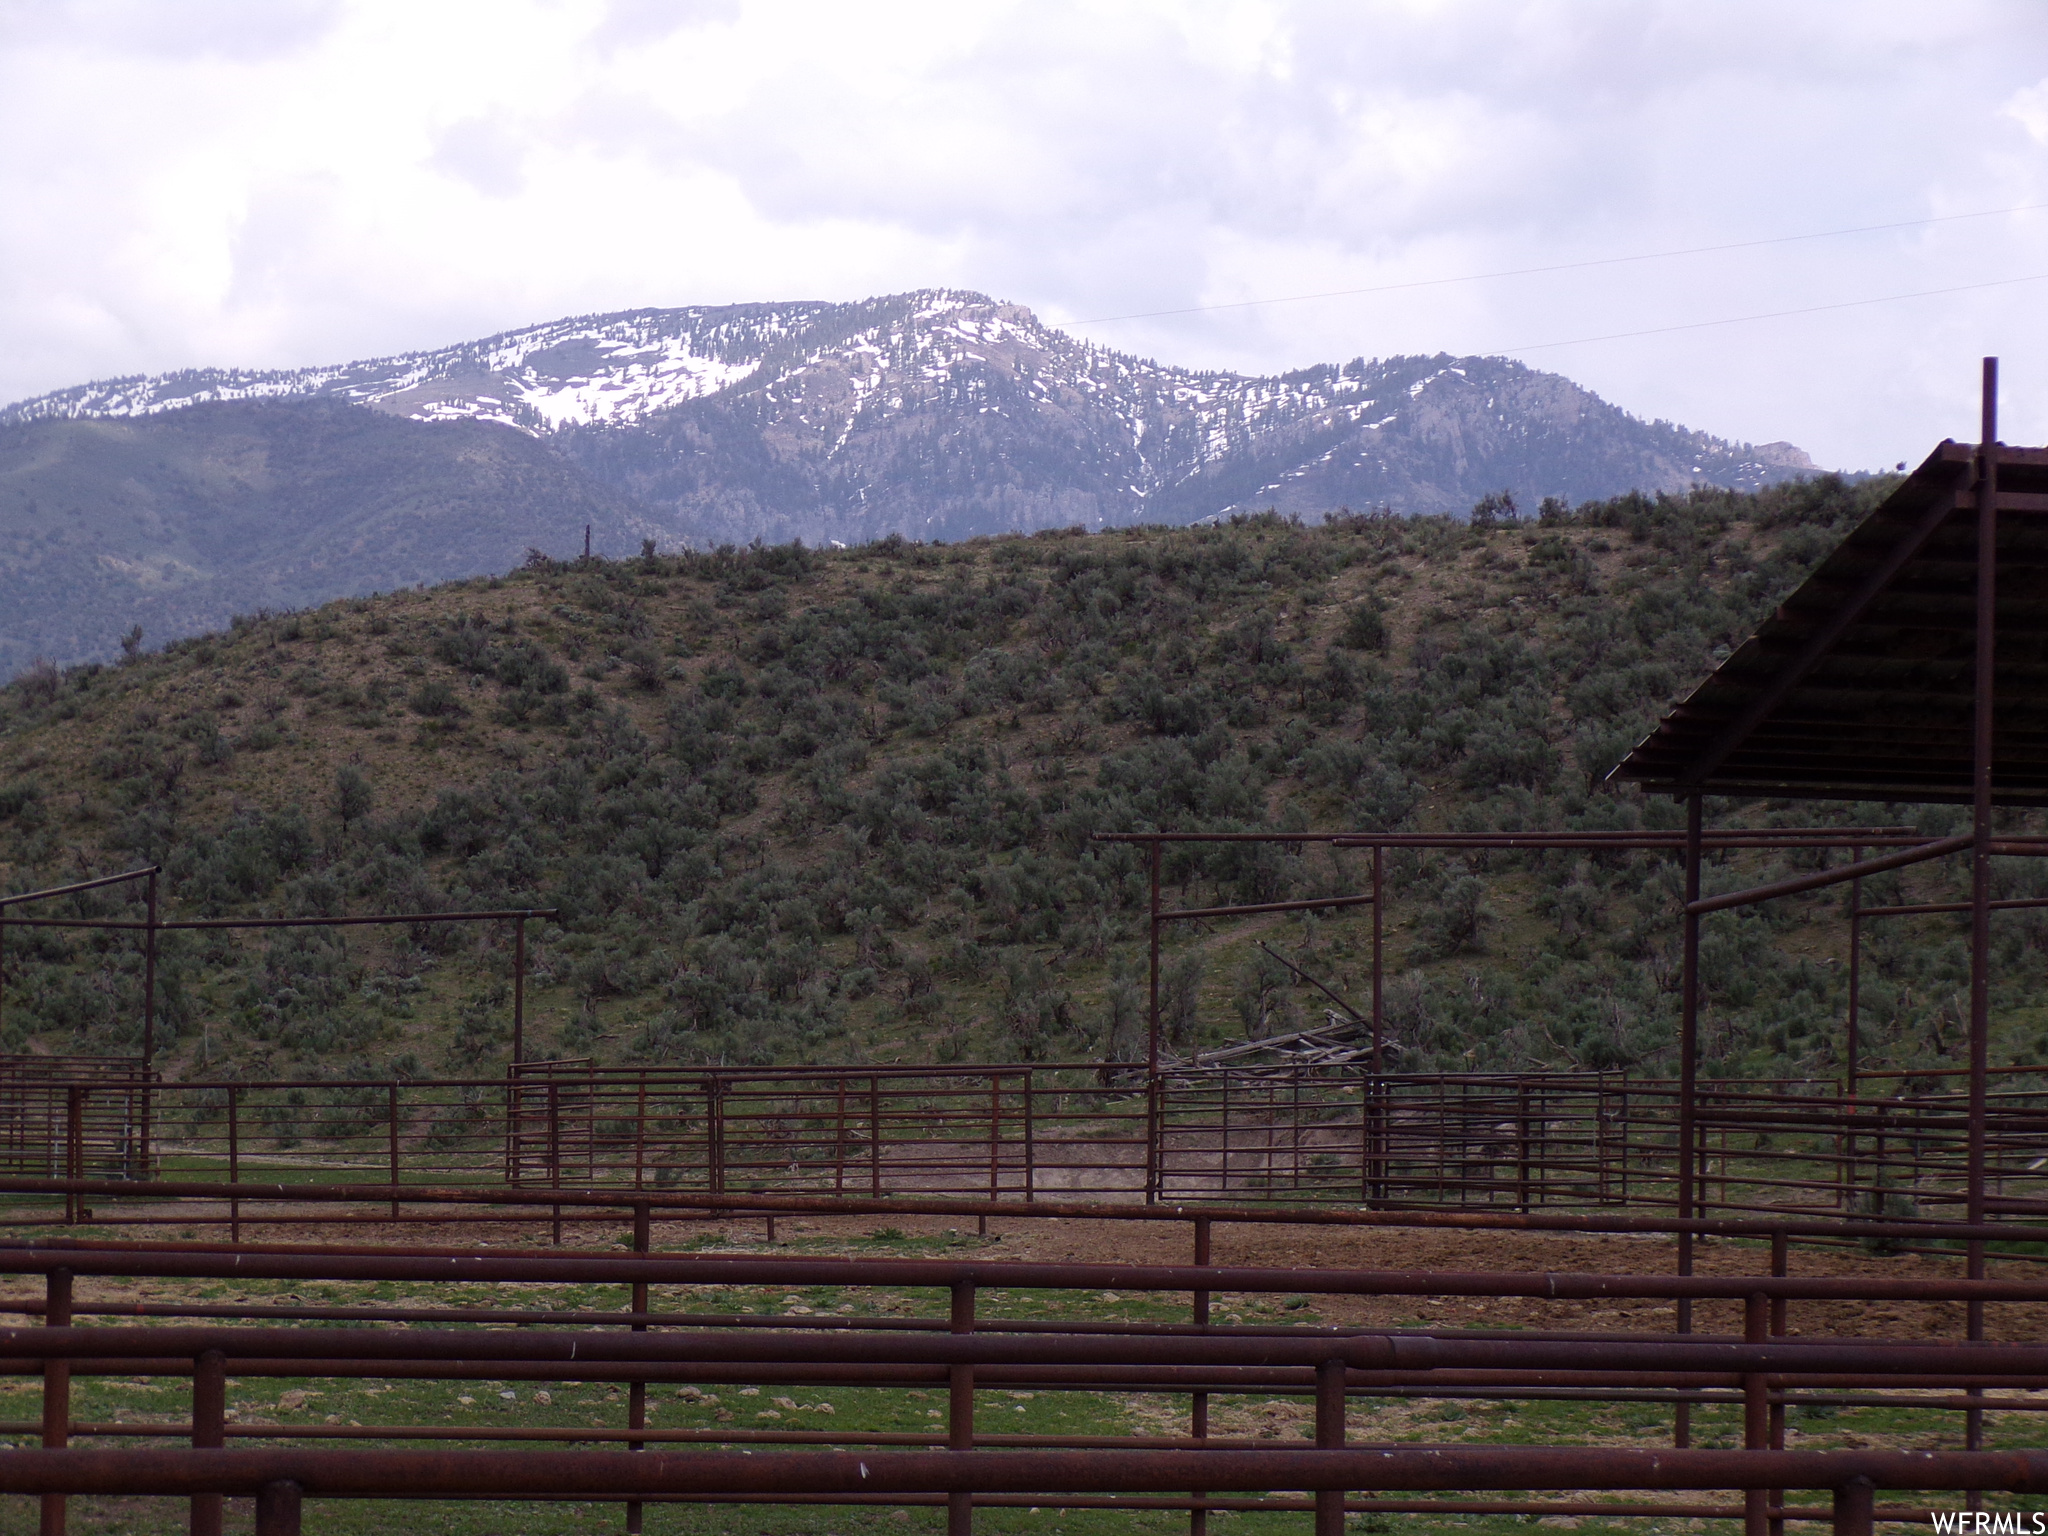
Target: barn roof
x=1859 y=687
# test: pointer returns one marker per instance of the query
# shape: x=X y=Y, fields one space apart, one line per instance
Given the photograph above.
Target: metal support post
x=1379 y=928
x=1031 y=1135
x=960 y=1411
x=1780 y=1267
x=554 y=1102
x=995 y=1142
x=636 y=1392
x=1985 y=676
x=277 y=1510
x=391 y=1107
x=1688 y=1082
x=209 y=1431
x=1852 y=1046
x=1155 y=1139
x=838 y=1141
x=234 y=1160
x=1152 y=1128
x=56 y=1395
x=1756 y=1415
x=640 y=1135
x=148 y=1027
x=74 y=1151
x=518 y=989
x=1330 y=1381
x=1855 y=1508
x=874 y=1139
x=1152 y=994
x=1522 y=1148
x=1198 y=1403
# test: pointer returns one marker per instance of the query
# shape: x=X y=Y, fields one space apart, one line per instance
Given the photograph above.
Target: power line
x=1575 y=266
x=1776 y=314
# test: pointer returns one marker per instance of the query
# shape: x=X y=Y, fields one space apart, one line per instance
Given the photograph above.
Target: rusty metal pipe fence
x=1027 y=1134
x=1763 y=1369
x=1161 y=1132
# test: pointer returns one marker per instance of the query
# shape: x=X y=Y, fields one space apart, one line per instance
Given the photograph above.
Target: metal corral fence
x=963 y=1353
x=72 y=1114
x=1036 y=1132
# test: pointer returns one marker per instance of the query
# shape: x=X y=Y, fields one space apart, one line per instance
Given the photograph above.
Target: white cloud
x=270 y=183
x=2029 y=108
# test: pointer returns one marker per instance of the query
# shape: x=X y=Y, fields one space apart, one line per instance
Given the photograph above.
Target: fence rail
x=965 y=1460
x=1028 y=1133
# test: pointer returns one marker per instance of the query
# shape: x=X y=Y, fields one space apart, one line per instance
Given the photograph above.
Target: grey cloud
x=1105 y=159
x=246 y=31
x=636 y=23
x=488 y=153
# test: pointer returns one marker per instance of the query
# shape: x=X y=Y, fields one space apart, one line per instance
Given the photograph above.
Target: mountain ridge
x=939 y=415
x=829 y=392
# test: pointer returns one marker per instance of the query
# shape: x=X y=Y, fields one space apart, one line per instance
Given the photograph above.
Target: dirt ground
x=1316 y=1247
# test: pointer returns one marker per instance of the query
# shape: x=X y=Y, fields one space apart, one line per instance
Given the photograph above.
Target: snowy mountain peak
x=945 y=412
x=586 y=370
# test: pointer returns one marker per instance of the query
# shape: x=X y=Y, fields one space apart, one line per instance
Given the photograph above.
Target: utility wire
x=1575 y=266
x=1776 y=314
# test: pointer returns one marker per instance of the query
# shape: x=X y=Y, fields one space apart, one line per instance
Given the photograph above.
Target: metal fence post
x=555 y=1149
x=1855 y=1508
x=995 y=1140
x=1155 y=1138
x=714 y=1097
x=839 y=1144
x=1365 y=1094
x=1031 y=1134
x=56 y=1395
x=515 y=1172
x=1984 y=690
x=1330 y=1383
x=518 y=989
x=1522 y=1148
x=1779 y=1268
x=148 y=1026
x=875 y=1137
x=636 y=1392
x=392 y=1106
x=1852 y=1044
x=277 y=1509
x=640 y=1136
x=1198 y=1402
x=209 y=1431
x=74 y=1151
x=234 y=1161
x=960 y=1411
x=1379 y=928
x=1756 y=1414
x=1688 y=1081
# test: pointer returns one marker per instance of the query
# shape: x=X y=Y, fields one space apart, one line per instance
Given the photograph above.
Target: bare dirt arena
x=1043 y=1240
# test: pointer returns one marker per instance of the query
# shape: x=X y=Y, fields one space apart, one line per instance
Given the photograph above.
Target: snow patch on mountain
x=584 y=371
x=846 y=420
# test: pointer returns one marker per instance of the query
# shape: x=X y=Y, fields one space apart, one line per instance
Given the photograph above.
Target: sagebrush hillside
x=804 y=806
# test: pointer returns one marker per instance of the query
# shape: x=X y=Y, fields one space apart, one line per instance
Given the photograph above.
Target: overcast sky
x=283 y=182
